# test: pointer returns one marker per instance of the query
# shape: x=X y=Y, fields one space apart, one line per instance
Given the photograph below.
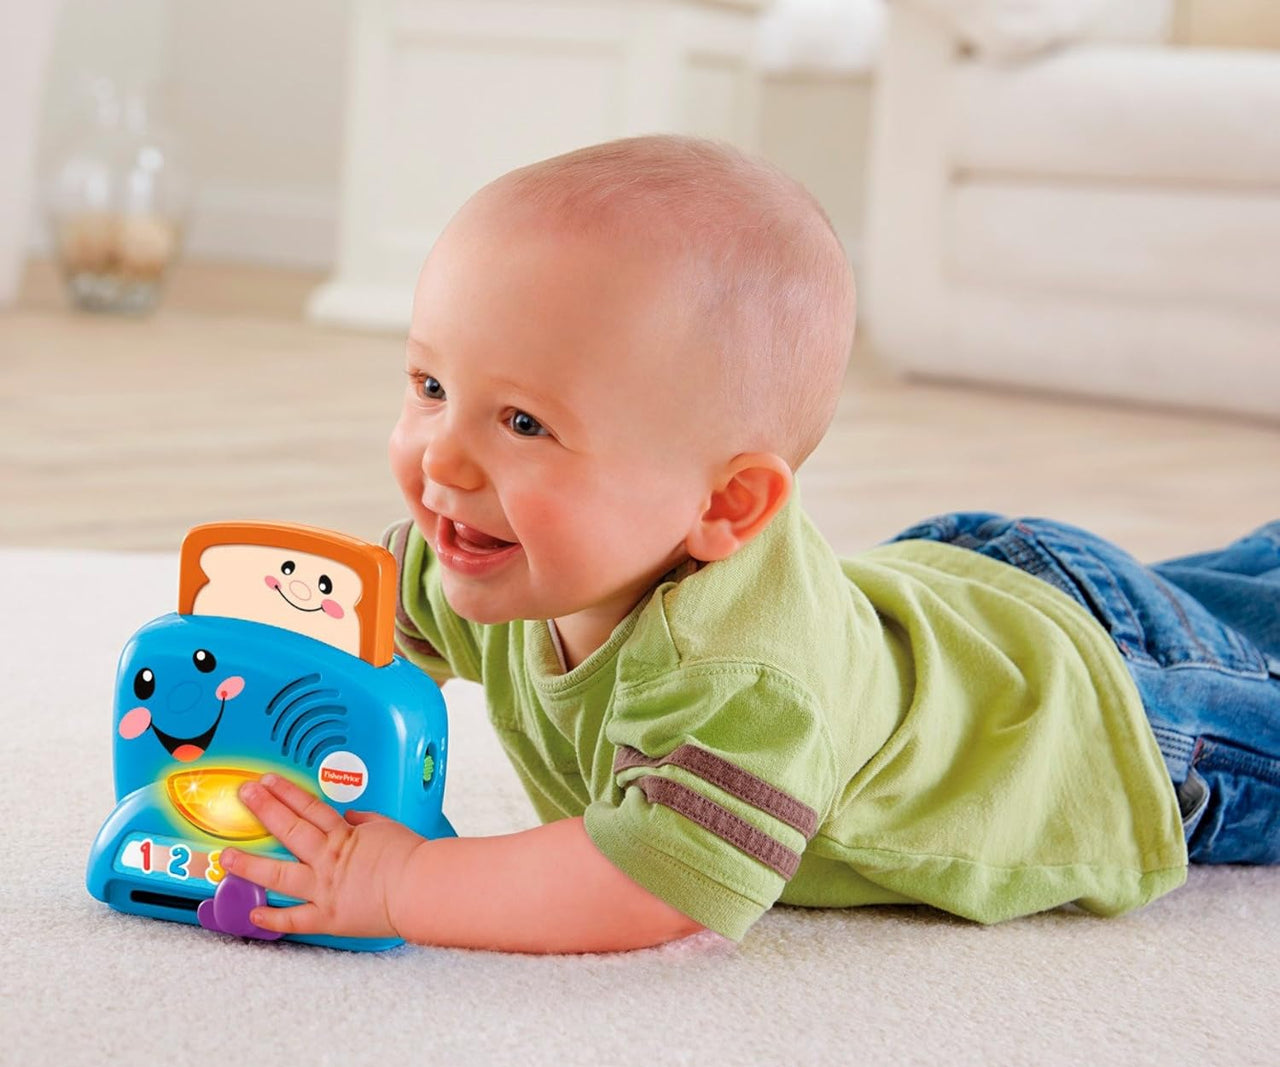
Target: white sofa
x=1059 y=199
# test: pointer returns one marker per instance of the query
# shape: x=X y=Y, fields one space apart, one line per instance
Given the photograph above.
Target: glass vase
x=117 y=201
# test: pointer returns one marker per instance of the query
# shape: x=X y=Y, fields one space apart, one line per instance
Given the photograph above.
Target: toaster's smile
x=187 y=749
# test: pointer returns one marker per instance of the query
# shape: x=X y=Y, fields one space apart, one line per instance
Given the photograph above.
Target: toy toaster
x=278 y=659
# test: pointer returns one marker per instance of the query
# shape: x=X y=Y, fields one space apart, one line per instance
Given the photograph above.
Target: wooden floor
x=122 y=433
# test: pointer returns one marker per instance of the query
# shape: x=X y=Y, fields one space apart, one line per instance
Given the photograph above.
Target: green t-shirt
x=917 y=724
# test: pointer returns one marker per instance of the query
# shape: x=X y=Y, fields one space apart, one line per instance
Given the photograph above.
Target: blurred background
x=1064 y=216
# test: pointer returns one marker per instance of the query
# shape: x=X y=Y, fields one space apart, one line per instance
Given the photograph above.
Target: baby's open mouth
x=469 y=539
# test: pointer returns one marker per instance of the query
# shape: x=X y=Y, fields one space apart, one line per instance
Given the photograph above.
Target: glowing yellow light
x=207 y=799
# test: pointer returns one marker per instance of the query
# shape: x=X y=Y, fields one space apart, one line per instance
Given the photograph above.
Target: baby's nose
x=446 y=461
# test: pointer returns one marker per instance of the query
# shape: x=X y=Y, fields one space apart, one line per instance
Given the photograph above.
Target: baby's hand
x=347 y=870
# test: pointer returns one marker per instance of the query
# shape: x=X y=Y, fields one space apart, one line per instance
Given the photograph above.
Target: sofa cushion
x=1014 y=29
x=820 y=36
x=1118 y=112
x=1186 y=246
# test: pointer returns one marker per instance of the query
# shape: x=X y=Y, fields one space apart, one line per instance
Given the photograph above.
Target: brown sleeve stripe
x=409 y=643
x=720 y=821
x=398 y=541
x=732 y=779
x=397 y=532
x=407 y=637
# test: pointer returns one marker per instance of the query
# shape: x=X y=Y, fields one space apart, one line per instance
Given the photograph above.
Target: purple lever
x=228 y=911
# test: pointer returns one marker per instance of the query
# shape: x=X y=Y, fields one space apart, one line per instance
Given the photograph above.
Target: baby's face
x=549 y=446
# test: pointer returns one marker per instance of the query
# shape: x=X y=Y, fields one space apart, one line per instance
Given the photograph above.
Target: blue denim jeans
x=1201 y=637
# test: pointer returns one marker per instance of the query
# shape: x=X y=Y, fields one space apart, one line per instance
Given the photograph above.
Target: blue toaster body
x=203 y=703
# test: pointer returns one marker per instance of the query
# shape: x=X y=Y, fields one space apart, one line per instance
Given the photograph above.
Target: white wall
x=256 y=91
x=816 y=127
x=260 y=89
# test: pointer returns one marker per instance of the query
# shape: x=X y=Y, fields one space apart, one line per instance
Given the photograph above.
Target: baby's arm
x=543 y=890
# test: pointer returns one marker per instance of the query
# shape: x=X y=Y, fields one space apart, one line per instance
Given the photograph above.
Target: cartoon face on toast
x=322 y=584
x=300 y=591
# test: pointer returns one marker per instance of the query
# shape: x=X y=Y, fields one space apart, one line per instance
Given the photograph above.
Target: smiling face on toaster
x=310 y=594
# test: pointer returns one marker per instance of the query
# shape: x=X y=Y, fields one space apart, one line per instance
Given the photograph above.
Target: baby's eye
x=526 y=425
x=430 y=387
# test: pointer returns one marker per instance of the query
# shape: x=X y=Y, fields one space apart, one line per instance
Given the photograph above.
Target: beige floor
x=122 y=433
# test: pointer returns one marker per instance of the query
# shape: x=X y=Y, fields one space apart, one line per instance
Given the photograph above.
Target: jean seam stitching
x=1127 y=611
x=1185 y=622
x=1234 y=760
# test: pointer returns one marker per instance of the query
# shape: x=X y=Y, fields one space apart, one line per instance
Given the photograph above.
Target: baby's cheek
x=557 y=509
x=404 y=456
x=585 y=549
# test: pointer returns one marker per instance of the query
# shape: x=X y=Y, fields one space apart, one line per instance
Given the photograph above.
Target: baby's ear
x=752 y=489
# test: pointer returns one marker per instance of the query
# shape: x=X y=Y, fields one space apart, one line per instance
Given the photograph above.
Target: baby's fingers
x=299 y=919
x=355 y=818
x=285 y=877
x=306 y=805
x=283 y=809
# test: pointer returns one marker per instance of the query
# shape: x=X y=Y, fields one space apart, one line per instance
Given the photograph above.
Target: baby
x=617 y=361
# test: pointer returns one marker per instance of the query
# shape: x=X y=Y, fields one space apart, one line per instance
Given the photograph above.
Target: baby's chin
x=465 y=607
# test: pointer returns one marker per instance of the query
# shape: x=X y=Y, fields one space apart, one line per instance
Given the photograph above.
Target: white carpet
x=1193 y=978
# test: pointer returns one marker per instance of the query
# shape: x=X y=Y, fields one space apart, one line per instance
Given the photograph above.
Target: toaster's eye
x=144 y=684
x=203 y=660
x=286 y=567
x=326 y=586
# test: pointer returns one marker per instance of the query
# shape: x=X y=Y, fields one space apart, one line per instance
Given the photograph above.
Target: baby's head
x=617 y=359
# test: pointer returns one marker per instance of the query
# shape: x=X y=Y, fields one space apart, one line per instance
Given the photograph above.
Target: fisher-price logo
x=328 y=774
x=343 y=776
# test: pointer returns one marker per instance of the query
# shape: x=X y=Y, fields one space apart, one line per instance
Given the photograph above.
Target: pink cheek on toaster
x=134 y=723
x=230 y=687
x=333 y=608
x=272 y=582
